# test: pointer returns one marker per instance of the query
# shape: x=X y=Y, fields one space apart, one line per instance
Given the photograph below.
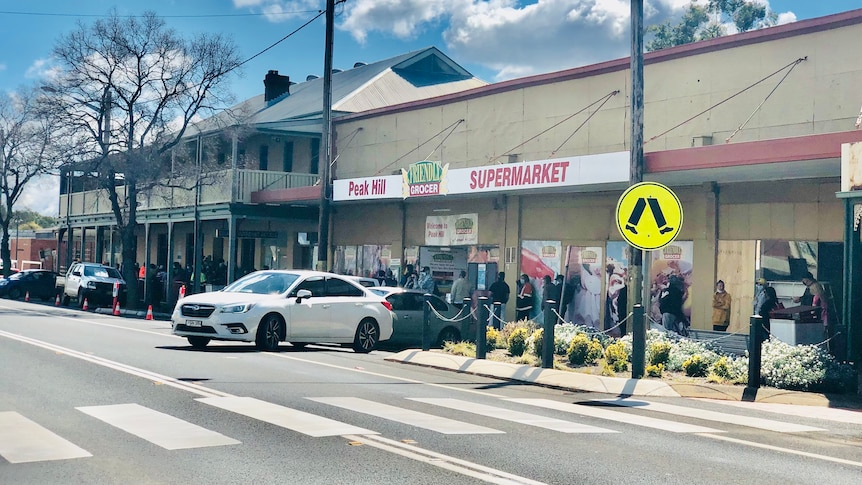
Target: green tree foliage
x=708 y=20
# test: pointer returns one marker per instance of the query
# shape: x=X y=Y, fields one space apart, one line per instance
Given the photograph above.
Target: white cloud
x=42 y=69
x=279 y=11
x=786 y=18
x=40 y=195
x=513 y=37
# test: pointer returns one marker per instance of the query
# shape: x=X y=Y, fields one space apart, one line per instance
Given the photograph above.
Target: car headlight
x=238 y=308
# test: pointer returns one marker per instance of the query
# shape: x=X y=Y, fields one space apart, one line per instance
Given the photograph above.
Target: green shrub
x=695 y=366
x=654 y=370
x=659 y=352
x=617 y=356
x=491 y=337
x=537 y=342
x=466 y=349
x=607 y=370
x=561 y=345
x=721 y=368
x=518 y=341
x=583 y=351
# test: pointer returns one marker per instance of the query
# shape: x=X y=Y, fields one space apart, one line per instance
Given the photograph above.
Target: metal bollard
x=638 y=341
x=467 y=319
x=498 y=313
x=548 y=336
x=426 y=323
x=755 y=330
x=482 y=328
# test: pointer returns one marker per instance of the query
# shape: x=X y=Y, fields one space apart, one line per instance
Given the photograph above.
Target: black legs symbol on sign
x=657 y=214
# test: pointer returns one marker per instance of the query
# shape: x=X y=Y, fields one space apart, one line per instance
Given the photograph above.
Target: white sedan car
x=300 y=307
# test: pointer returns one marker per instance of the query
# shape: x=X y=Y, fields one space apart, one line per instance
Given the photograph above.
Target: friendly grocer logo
x=672 y=252
x=424 y=178
x=549 y=251
x=464 y=225
x=443 y=257
x=589 y=257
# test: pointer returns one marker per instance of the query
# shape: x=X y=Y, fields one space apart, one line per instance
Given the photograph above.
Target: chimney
x=275 y=85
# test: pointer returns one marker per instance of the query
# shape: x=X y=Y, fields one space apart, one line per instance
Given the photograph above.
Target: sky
x=495 y=40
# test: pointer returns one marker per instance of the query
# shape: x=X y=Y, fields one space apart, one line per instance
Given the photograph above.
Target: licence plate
x=194 y=323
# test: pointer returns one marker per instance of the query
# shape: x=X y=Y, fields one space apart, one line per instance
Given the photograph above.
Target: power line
x=319 y=13
x=197 y=16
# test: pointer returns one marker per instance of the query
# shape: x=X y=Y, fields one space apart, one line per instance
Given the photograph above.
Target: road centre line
x=781 y=450
x=135 y=371
x=429 y=457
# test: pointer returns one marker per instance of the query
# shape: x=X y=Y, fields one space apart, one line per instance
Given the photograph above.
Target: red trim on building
x=792 y=29
x=295 y=194
x=811 y=147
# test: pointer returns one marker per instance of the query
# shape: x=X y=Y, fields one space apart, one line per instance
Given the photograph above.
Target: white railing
x=216 y=189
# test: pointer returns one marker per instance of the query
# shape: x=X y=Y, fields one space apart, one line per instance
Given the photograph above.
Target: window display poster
x=484 y=254
x=582 y=294
x=374 y=258
x=674 y=260
x=616 y=292
x=344 y=260
x=411 y=254
x=445 y=263
x=539 y=258
x=455 y=230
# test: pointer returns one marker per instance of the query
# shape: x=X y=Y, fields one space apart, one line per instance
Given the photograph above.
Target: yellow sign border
x=620 y=219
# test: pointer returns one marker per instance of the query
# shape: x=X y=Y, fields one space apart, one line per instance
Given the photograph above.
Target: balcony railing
x=216 y=188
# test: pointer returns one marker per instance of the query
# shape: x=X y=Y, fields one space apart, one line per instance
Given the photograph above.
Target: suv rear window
x=101 y=272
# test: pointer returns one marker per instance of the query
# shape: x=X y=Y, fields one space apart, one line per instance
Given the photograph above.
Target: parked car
x=300 y=307
x=92 y=282
x=364 y=281
x=408 y=305
x=12 y=270
x=39 y=282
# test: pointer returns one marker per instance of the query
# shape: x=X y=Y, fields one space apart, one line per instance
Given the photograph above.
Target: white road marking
x=292 y=419
x=456 y=465
x=158 y=428
x=24 y=441
x=844 y=416
x=748 y=421
x=620 y=417
x=405 y=416
x=514 y=416
x=783 y=450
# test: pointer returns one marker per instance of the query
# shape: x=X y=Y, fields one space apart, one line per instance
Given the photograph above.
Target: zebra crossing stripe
x=844 y=416
x=405 y=416
x=158 y=428
x=514 y=416
x=620 y=417
x=24 y=441
x=751 y=422
x=292 y=419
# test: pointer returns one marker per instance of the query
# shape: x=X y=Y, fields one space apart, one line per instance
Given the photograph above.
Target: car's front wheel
x=367 y=336
x=448 y=334
x=198 y=342
x=269 y=333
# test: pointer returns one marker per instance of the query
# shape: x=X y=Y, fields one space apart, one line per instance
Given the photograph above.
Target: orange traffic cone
x=27 y=296
x=117 y=309
x=149 y=313
x=84 y=307
x=57 y=301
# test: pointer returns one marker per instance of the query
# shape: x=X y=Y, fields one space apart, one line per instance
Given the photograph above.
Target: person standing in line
x=409 y=279
x=426 y=281
x=569 y=294
x=556 y=294
x=770 y=303
x=524 y=304
x=759 y=295
x=499 y=294
x=720 y=307
x=670 y=305
x=547 y=289
x=461 y=288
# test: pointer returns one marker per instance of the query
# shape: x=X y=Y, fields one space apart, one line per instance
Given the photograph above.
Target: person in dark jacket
x=670 y=305
x=499 y=294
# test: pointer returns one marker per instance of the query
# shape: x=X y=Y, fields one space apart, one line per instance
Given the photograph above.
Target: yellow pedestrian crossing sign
x=649 y=216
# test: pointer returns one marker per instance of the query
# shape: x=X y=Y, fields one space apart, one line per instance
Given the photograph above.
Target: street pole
x=636 y=176
x=325 y=144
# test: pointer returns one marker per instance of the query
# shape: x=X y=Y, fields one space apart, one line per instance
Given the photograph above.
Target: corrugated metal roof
x=408 y=77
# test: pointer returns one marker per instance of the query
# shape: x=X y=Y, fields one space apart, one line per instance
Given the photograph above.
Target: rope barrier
x=454 y=319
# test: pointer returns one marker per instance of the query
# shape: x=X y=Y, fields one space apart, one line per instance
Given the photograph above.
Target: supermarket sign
x=429 y=178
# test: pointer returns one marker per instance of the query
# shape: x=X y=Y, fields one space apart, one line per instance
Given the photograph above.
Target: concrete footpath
x=576 y=381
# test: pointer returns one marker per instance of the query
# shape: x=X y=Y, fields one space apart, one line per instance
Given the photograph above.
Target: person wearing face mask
x=524 y=304
x=720 y=307
x=759 y=295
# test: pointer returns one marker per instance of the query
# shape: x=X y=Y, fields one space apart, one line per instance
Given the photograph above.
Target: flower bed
x=583 y=349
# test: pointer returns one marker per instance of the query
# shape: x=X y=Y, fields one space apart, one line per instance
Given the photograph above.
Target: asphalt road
x=88 y=398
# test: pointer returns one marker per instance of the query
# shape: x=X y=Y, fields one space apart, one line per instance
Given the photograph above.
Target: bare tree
x=30 y=146
x=133 y=87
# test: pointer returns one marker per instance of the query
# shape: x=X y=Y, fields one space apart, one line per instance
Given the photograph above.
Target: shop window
x=315 y=156
x=287 y=157
x=263 y=157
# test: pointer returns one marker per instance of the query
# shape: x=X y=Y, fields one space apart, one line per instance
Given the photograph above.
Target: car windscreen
x=262 y=283
x=101 y=272
x=16 y=276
